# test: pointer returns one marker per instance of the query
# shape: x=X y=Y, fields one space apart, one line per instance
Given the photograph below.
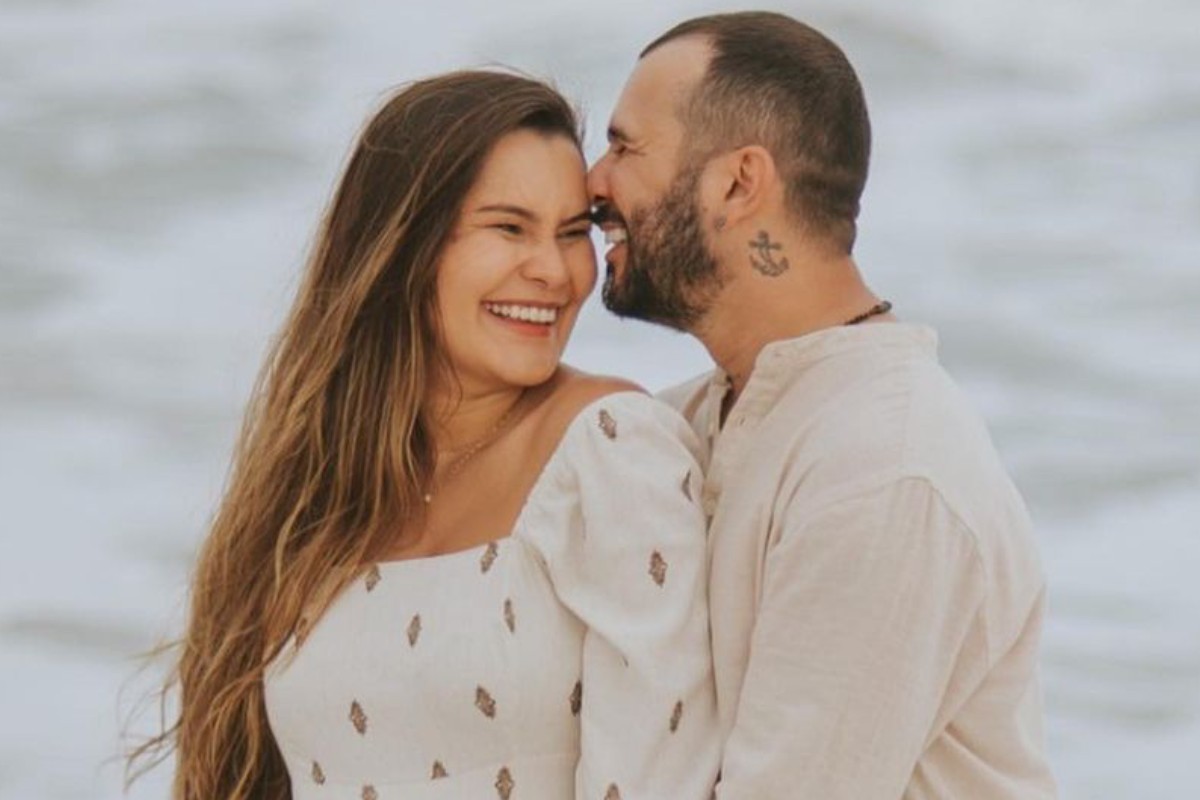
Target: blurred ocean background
x=1035 y=195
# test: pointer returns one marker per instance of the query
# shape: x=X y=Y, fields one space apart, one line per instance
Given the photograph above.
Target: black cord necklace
x=882 y=307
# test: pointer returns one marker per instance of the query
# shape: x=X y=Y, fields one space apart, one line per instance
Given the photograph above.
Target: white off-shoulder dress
x=568 y=660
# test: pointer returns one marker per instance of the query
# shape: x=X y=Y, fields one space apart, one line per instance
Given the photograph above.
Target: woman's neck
x=461 y=420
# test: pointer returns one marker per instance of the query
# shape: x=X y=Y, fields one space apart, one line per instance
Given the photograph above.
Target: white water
x=1035 y=195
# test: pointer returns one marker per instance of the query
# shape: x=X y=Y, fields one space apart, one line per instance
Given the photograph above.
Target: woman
x=447 y=565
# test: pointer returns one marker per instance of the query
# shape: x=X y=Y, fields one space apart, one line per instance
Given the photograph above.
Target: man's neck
x=755 y=310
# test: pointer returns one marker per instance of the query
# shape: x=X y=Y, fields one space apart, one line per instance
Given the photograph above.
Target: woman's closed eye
x=578 y=232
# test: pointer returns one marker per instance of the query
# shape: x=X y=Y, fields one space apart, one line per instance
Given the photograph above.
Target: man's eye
x=577 y=233
x=508 y=227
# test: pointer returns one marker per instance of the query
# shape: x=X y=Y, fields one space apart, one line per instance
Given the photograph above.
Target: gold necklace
x=506 y=420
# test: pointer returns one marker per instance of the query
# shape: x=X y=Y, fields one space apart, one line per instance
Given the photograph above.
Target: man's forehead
x=660 y=82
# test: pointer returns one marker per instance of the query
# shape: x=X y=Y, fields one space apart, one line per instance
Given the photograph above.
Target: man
x=876 y=596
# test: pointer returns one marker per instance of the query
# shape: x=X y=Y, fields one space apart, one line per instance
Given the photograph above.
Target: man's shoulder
x=908 y=420
x=916 y=427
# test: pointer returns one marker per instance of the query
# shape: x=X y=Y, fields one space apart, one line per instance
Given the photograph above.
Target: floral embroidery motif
x=438 y=771
x=608 y=424
x=504 y=783
x=373 y=577
x=613 y=792
x=510 y=617
x=687 y=486
x=317 y=775
x=369 y=793
x=577 y=698
x=676 y=715
x=359 y=718
x=414 y=630
x=489 y=557
x=485 y=703
x=658 y=568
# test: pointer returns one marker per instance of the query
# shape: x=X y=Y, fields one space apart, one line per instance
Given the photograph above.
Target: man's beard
x=670 y=277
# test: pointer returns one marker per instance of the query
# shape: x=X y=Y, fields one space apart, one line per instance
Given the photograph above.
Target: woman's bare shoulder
x=577 y=389
x=569 y=392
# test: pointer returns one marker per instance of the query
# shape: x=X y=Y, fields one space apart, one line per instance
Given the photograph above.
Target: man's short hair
x=776 y=82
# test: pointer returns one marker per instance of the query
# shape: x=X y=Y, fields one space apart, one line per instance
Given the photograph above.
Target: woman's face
x=518 y=265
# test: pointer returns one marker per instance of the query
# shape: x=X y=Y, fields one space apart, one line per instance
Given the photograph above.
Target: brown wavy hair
x=336 y=449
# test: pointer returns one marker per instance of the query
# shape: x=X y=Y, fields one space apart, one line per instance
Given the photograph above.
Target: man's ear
x=739 y=184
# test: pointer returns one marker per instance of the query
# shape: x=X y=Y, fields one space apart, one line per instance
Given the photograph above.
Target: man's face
x=659 y=266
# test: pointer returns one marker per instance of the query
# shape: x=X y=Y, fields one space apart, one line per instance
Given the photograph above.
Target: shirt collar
x=781 y=362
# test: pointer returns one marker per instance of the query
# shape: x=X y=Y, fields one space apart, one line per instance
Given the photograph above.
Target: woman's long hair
x=336 y=450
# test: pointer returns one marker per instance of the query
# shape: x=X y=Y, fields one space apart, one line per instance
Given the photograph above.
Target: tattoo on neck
x=719 y=223
x=765 y=262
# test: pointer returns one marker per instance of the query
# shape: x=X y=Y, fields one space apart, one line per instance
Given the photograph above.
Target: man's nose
x=597 y=180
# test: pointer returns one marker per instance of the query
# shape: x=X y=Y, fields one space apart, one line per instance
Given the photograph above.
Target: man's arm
x=869 y=606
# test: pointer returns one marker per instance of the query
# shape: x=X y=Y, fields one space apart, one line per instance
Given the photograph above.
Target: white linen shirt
x=875 y=595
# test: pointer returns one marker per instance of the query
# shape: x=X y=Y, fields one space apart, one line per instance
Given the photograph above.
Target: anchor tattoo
x=766 y=263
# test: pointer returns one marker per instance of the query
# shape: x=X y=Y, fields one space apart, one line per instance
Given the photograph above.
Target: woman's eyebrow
x=505 y=208
x=524 y=213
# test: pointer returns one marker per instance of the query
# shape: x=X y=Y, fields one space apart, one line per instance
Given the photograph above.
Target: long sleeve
x=625 y=549
x=870 y=626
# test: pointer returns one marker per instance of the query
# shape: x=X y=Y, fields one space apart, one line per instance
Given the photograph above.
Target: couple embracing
x=447 y=565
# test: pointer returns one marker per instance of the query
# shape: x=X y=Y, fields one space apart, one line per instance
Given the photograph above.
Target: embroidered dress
x=570 y=659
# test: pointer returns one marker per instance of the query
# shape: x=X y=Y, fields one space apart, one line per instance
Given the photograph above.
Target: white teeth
x=615 y=235
x=535 y=314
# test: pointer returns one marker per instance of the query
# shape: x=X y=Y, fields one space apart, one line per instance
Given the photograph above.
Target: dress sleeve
x=625 y=547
